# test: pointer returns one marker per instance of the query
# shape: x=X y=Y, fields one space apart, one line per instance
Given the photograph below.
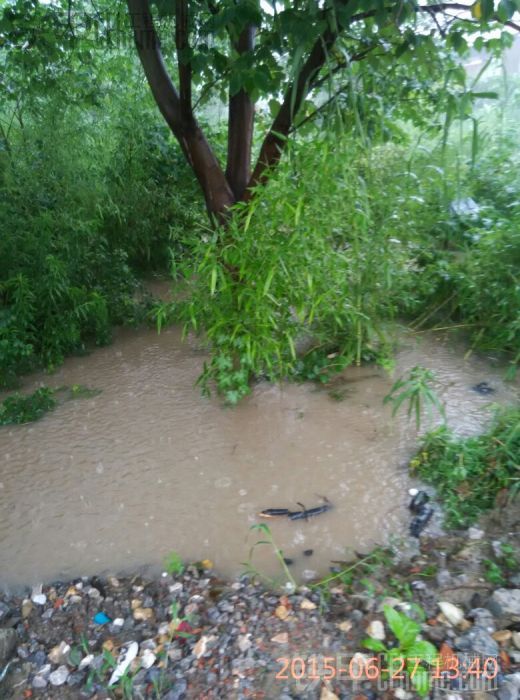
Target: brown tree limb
x=241 y=113
x=217 y=193
x=184 y=65
x=274 y=142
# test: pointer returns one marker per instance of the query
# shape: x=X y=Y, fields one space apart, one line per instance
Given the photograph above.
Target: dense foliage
x=355 y=228
x=469 y=473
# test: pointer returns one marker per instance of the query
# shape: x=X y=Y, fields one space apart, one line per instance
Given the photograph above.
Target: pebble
x=4 y=610
x=516 y=639
x=477 y=640
x=282 y=638
x=27 y=607
x=39 y=682
x=244 y=642
x=39 y=598
x=502 y=636
x=452 y=613
x=58 y=654
x=475 y=533
x=8 y=639
x=59 y=676
x=505 y=602
x=376 y=630
x=147 y=659
x=143 y=614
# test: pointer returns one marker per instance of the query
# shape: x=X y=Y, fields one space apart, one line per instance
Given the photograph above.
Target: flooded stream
x=149 y=466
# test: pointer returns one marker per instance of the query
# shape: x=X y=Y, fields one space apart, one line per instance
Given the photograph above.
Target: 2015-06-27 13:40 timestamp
x=360 y=668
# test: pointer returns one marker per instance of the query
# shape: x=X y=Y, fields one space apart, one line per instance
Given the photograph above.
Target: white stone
x=244 y=643
x=85 y=662
x=59 y=676
x=39 y=598
x=39 y=681
x=376 y=630
x=58 y=654
x=451 y=612
x=475 y=533
x=118 y=622
x=402 y=694
x=147 y=658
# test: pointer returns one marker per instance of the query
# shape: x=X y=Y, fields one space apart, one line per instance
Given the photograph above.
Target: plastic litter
x=101 y=619
x=125 y=658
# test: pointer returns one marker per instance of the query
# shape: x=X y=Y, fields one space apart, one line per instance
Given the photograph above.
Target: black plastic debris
x=483 y=388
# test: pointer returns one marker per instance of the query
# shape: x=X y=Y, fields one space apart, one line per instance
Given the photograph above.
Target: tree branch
x=183 y=61
x=274 y=142
x=240 y=126
x=194 y=145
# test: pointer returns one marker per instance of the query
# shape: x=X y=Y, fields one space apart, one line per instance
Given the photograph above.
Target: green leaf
x=421 y=681
x=422 y=650
x=374 y=644
x=405 y=630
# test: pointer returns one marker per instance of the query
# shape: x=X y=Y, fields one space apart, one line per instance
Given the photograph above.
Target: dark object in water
x=302 y=514
x=274 y=512
x=418 y=502
x=288 y=561
x=306 y=513
x=308 y=552
x=483 y=388
x=420 y=521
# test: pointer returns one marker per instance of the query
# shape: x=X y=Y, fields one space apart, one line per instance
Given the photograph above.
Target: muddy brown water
x=109 y=483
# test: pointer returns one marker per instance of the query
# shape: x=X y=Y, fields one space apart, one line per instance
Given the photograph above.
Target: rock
x=502 y=636
x=508 y=691
x=178 y=692
x=479 y=641
x=200 y=647
x=282 y=638
x=85 y=662
x=307 y=604
x=59 y=654
x=39 y=682
x=27 y=607
x=376 y=630
x=344 y=626
x=143 y=614
x=8 y=641
x=402 y=694
x=327 y=694
x=244 y=642
x=75 y=679
x=505 y=602
x=5 y=610
x=39 y=598
x=59 y=676
x=516 y=639
x=443 y=578
x=475 y=533
x=452 y=613
x=281 y=612
x=148 y=659
x=482 y=617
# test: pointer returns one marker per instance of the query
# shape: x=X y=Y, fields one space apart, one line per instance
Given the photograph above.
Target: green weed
x=468 y=473
x=18 y=409
x=174 y=564
x=267 y=539
x=416 y=390
x=417 y=653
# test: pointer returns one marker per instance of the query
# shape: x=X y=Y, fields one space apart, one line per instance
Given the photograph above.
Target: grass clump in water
x=468 y=473
x=17 y=409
